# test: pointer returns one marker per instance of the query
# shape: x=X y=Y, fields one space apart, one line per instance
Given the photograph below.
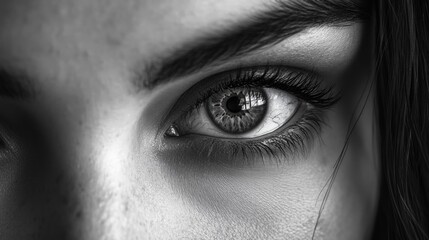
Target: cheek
x=351 y=206
x=285 y=202
x=134 y=193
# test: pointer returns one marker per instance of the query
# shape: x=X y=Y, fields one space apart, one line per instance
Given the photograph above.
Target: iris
x=237 y=110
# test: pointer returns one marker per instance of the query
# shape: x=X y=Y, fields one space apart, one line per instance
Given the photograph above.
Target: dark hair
x=402 y=89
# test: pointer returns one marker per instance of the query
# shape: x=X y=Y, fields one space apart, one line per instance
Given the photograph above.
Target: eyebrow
x=279 y=22
x=15 y=85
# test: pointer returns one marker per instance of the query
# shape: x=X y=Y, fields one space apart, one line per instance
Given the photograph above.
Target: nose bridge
x=96 y=193
x=123 y=192
x=73 y=188
x=101 y=151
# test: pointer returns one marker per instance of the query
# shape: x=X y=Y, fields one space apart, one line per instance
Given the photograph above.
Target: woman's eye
x=251 y=115
x=242 y=112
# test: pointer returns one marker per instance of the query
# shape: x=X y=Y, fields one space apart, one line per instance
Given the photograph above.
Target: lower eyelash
x=293 y=142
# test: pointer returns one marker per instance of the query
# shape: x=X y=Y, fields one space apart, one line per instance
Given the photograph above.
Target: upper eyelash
x=303 y=85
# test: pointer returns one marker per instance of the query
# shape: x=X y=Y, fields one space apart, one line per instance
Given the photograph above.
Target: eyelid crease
x=305 y=85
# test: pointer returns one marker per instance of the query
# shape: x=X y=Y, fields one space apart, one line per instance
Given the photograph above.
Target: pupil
x=233 y=104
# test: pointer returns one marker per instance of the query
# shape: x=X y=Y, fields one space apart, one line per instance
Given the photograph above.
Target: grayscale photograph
x=214 y=119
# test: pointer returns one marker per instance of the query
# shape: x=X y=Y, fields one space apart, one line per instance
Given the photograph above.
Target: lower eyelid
x=293 y=142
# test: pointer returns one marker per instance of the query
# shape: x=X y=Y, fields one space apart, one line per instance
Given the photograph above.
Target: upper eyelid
x=269 y=73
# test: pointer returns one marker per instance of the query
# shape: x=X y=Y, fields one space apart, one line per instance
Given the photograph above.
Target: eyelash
x=304 y=85
x=287 y=142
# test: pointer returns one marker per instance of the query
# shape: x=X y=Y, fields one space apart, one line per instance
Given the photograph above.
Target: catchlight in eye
x=237 y=110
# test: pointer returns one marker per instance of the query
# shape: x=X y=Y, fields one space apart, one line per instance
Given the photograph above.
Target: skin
x=101 y=171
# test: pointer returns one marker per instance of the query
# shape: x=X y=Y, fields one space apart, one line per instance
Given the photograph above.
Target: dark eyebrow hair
x=15 y=85
x=279 y=22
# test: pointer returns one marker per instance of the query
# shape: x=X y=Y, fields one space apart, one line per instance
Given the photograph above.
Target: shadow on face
x=191 y=120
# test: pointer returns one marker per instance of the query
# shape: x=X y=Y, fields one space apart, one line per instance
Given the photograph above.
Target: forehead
x=120 y=22
x=52 y=37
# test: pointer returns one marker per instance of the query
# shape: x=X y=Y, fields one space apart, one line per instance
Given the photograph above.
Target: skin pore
x=88 y=157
